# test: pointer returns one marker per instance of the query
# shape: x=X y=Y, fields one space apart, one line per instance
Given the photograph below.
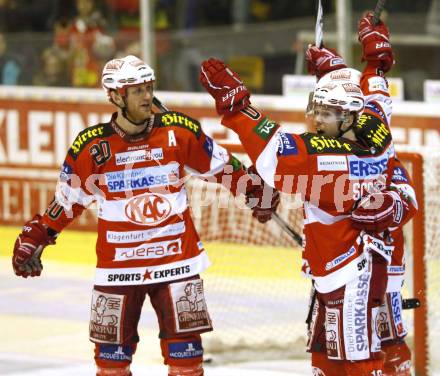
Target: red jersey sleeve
x=279 y=157
x=77 y=183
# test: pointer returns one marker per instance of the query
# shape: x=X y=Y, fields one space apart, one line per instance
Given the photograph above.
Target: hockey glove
x=323 y=60
x=261 y=198
x=379 y=211
x=28 y=247
x=225 y=87
x=376 y=47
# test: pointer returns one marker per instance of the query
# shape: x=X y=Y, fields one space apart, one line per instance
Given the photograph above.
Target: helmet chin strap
x=341 y=131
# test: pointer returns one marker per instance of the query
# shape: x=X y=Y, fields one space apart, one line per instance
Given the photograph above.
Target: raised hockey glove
x=28 y=247
x=379 y=211
x=261 y=198
x=224 y=85
x=323 y=60
x=376 y=47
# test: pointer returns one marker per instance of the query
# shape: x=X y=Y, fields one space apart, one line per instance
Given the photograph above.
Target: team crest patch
x=191 y=313
x=105 y=318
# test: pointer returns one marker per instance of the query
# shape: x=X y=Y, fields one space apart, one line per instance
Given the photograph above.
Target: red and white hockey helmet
x=118 y=74
x=341 y=90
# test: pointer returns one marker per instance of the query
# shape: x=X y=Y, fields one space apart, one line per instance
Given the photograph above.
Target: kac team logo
x=148 y=209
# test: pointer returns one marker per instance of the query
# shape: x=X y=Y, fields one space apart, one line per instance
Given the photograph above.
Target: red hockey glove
x=323 y=60
x=28 y=247
x=376 y=47
x=379 y=211
x=225 y=87
x=261 y=198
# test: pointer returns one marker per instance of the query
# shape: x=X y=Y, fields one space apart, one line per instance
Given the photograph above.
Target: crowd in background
x=66 y=42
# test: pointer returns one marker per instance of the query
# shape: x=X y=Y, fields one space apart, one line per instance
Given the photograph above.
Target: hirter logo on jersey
x=149 y=209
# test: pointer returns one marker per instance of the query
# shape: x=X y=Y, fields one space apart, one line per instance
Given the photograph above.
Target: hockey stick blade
x=319 y=26
x=275 y=216
x=411 y=303
x=377 y=11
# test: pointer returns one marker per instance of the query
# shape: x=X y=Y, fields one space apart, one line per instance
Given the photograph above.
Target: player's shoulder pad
x=88 y=135
x=178 y=119
x=372 y=131
x=320 y=144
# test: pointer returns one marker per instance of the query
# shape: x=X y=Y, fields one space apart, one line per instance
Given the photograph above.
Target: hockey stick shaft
x=319 y=26
x=295 y=236
x=282 y=223
x=378 y=10
x=410 y=303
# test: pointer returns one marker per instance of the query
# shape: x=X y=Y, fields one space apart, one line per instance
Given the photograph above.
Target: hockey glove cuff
x=29 y=246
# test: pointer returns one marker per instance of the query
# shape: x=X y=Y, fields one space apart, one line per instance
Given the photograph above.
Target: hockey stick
x=410 y=303
x=319 y=26
x=280 y=221
x=377 y=11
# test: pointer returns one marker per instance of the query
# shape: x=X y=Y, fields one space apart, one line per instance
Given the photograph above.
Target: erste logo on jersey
x=144 y=155
x=366 y=168
x=148 y=209
x=141 y=178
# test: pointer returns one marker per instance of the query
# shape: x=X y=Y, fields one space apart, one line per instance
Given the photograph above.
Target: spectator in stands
x=86 y=31
x=10 y=66
x=125 y=15
x=53 y=71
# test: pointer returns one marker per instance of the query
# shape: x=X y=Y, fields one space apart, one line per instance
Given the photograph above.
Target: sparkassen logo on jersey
x=141 y=178
x=128 y=157
x=148 y=209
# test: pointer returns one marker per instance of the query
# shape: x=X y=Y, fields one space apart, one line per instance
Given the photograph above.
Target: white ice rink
x=44 y=330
